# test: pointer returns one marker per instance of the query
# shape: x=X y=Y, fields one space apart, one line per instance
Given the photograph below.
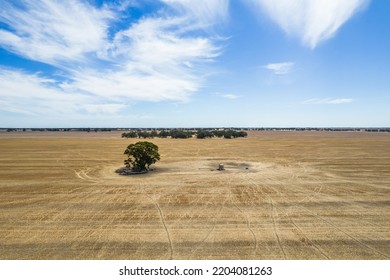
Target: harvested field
x=283 y=195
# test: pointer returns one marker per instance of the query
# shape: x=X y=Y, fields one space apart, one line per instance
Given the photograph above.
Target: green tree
x=144 y=134
x=131 y=134
x=202 y=134
x=181 y=134
x=163 y=134
x=141 y=155
x=228 y=134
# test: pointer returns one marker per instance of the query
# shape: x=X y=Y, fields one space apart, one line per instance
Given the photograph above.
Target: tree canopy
x=184 y=134
x=141 y=155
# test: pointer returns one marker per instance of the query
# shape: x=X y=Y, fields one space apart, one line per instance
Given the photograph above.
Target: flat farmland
x=283 y=195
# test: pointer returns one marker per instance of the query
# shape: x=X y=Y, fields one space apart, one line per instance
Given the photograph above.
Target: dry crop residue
x=281 y=196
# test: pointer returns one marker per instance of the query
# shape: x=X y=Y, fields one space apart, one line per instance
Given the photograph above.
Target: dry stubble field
x=284 y=195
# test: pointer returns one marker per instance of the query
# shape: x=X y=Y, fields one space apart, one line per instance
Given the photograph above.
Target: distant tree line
x=184 y=134
x=337 y=129
x=227 y=134
x=61 y=129
x=205 y=132
x=174 y=133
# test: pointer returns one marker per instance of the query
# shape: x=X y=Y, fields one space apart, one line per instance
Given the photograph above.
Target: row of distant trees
x=60 y=129
x=184 y=134
x=228 y=134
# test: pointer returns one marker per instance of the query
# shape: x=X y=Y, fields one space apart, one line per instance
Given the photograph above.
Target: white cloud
x=103 y=108
x=128 y=85
x=280 y=68
x=328 y=101
x=227 y=95
x=157 y=42
x=205 y=12
x=31 y=94
x=8 y=107
x=54 y=32
x=312 y=21
x=154 y=58
x=230 y=96
x=32 y=100
x=154 y=63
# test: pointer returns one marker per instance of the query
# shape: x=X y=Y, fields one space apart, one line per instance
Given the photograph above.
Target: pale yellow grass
x=282 y=196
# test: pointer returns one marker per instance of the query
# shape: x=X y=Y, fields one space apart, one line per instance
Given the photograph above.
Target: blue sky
x=204 y=63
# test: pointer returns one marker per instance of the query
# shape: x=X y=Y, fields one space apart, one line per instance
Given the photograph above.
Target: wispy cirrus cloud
x=54 y=32
x=154 y=58
x=229 y=96
x=32 y=94
x=312 y=21
x=103 y=108
x=153 y=63
x=282 y=68
x=205 y=12
x=328 y=101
